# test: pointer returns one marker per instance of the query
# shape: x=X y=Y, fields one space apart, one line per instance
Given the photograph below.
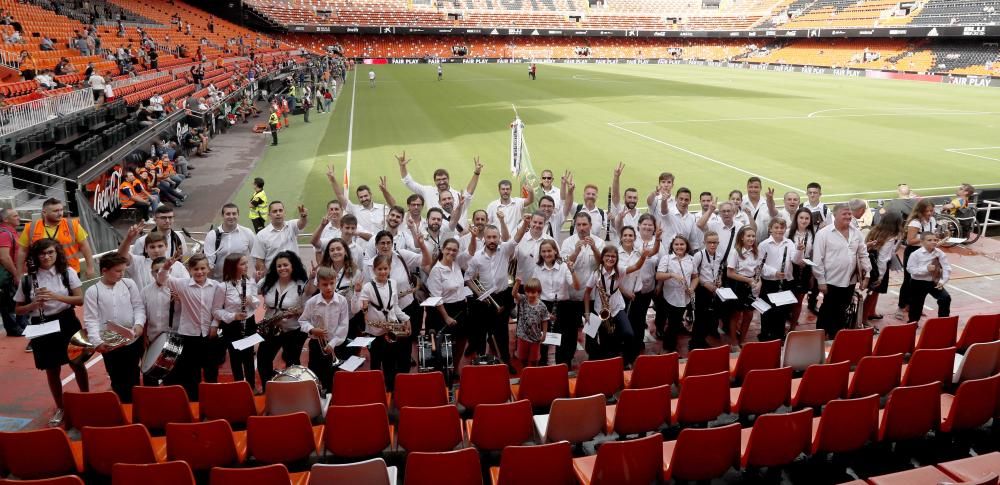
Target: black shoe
x=274 y=144
x=28 y=347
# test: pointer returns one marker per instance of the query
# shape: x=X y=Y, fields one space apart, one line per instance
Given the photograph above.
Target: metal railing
x=25 y=115
x=989 y=208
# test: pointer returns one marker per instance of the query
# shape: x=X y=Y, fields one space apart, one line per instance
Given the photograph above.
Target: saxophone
x=393 y=329
x=269 y=327
x=605 y=315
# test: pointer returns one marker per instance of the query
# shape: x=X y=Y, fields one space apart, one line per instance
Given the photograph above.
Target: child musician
x=532 y=322
x=708 y=310
x=162 y=314
x=743 y=266
x=776 y=276
x=608 y=275
x=929 y=272
x=380 y=303
x=236 y=316
x=325 y=319
x=116 y=300
x=678 y=274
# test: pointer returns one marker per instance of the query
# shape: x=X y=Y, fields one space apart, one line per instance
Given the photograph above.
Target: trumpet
x=478 y=289
x=394 y=330
x=114 y=336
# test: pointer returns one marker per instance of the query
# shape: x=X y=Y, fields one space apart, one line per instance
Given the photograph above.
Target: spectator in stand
x=47 y=44
x=27 y=66
x=97 y=85
x=129 y=197
x=64 y=67
x=109 y=94
x=197 y=74
x=45 y=80
x=156 y=105
x=80 y=44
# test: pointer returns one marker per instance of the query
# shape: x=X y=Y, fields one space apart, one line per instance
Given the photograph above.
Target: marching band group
x=394 y=272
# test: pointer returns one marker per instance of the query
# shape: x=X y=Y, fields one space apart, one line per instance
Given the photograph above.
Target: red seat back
x=262 y=475
x=445 y=468
x=231 y=401
x=542 y=385
x=930 y=365
x=600 y=377
x=431 y=429
x=777 y=439
x=764 y=391
x=63 y=480
x=93 y=409
x=974 y=404
x=420 y=389
x=358 y=387
x=356 y=431
x=851 y=345
x=688 y=457
x=626 y=462
x=168 y=473
x=847 y=425
x=495 y=426
x=281 y=439
x=896 y=339
x=938 y=333
x=550 y=464
x=703 y=398
x=979 y=329
x=154 y=407
x=483 y=384
x=757 y=355
x=706 y=361
x=911 y=412
x=876 y=374
x=103 y=447
x=642 y=410
x=202 y=445
x=22 y=451
x=654 y=370
x=821 y=384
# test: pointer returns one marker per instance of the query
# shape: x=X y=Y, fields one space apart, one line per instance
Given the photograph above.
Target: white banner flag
x=516 y=146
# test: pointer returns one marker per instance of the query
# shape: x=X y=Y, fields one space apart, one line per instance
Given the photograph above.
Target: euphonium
x=114 y=336
x=393 y=329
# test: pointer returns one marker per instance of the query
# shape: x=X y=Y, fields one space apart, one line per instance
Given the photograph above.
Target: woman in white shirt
x=609 y=276
x=283 y=292
x=49 y=291
x=637 y=287
x=882 y=242
x=802 y=233
x=236 y=316
x=556 y=278
x=921 y=220
x=347 y=281
x=680 y=278
x=380 y=303
x=742 y=267
x=446 y=282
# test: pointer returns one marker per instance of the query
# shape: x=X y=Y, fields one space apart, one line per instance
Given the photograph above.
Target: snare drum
x=161 y=356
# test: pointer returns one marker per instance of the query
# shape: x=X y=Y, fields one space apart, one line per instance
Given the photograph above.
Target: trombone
x=478 y=289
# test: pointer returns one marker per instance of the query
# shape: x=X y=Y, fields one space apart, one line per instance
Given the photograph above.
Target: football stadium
x=499 y=241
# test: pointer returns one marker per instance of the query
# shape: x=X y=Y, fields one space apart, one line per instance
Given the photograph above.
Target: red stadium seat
x=702 y=398
x=756 y=355
x=876 y=375
x=103 y=447
x=542 y=385
x=652 y=371
x=973 y=468
x=763 y=391
x=167 y=473
x=154 y=407
x=495 y=426
x=896 y=339
x=972 y=405
x=549 y=464
x=637 y=462
x=598 y=377
x=358 y=387
x=911 y=412
x=93 y=409
x=820 y=384
x=938 y=333
x=705 y=361
x=686 y=458
x=639 y=411
x=432 y=429
x=930 y=365
x=231 y=401
x=263 y=475
x=483 y=384
x=776 y=439
x=444 y=468
x=206 y=444
x=851 y=345
x=283 y=439
x=846 y=425
x=979 y=329
x=357 y=431
x=22 y=449
x=421 y=390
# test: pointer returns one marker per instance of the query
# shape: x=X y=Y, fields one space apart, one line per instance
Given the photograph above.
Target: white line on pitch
x=984 y=300
x=703 y=157
x=72 y=375
x=973 y=155
x=892 y=191
x=967 y=149
x=967 y=270
x=774 y=118
x=812 y=115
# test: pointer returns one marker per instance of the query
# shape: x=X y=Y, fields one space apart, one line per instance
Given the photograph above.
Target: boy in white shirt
x=325 y=319
x=930 y=271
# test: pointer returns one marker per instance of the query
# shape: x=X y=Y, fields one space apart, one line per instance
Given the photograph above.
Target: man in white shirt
x=822 y=215
x=512 y=207
x=139 y=264
x=96 y=83
x=401 y=239
x=489 y=268
x=328 y=229
x=761 y=209
x=554 y=218
x=582 y=251
x=790 y=203
x=861 y=217
x=176 y=242
x=664 y=190
x=442 y=181
x=229 y=238
x=726 y=227
x=589 y=207
x=705 y=199
x=548 y=188
x=679 y=222
x=837 y=252
x=529 y=237
x=454 y=215
x=627 y=216
x=371 y=215
x=278 y=236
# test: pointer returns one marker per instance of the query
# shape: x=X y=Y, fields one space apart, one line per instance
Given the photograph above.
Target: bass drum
x=162 y=355
x=297 y=373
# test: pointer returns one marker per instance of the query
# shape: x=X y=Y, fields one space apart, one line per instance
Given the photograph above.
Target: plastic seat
x=205 y=445
x=638 y=462
x=445 y=468
x=369 y=472
x=926 y=474
x=972 y=405
x=93 y=409
x=702 y=399
x=803 y=348
x=294 y=396
x=978 y=362
x=357 y=431
x=929 y=365
x=896 y=339
x=283 y=439
x=938 y=333
x=22 y=450
x=973 y=468
x=483 y=384
x=542 y=385
x=756 y=355
x=358 y=387
x=575 y=419
x=62 y=480
x=231 y=401
x=820 y=384
x=846 y=425
x=688 y=458
x=551 y=464
x=103 y=447
x=702 y=362
x=639 y=411
x=598 y=377
x=421 y=390
x=652 y=371
x=495 y=426
x=911 y=412
x=430 y=429
x=776 y=439
x=263 y=475
x=979 y=329
x=154 y=407
x=763 y=391
x=167 y=473
x=851 y=345
x=876 y=375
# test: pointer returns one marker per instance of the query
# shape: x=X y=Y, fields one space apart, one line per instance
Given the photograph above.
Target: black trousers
x=392 y=357
x=569 y=317
x=200 y=356
x=919 y=290
x=289 y=343
x=637 y=309
x=321 y=363
x=258 y=223
x=904 y=289
x=486 y=323
x=675 y=323
x=241 y=361
x=274 y=136
x=833 y=313
x=122 y=365
x=707 y=311
x=772 y=322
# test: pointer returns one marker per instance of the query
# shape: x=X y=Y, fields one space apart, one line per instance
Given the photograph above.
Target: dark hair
x=382 y=234
x=814 y=185
x=164 y=209
x=413 y=197
x=194 y=260
x=503 y=182
x=445 y=243
x=738 y=244
x=362 y=188
x=435 y=209
x=753 y=179
x=333 y=202
x=229 y=266
x=546 y=197
x=228 y=205
x=380 y=260
x=609 y=249
x=111 y=260
x=644 y=216
x=683 y=190
x=158 y=260
x=581 y=214
x=399 y=209
x=298 y=271
x=349 y=267
x=440 y=172
x=687 y=244
x=793 y=225
x=269 y=206
x=704 y=194
x=348 y=220
x=51 y=202
x=627 y=228
x=555 y=247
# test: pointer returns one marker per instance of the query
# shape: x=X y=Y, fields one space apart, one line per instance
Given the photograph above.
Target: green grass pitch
x=711 y=127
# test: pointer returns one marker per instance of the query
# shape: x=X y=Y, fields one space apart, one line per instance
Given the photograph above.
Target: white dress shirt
x=120 y=303
x=554 y=193
x=447 y=282
x=196 y=304
x=726 y=234
x=761 y=215
x=512 y=211
x=141 y=271
x=373 y=292
x=597 y=225
x=585 y=263
x=675 y=291
x=156 y=300
x=369 y=220
x=238 y=241
x=428 y=192
x=329 y=233
x=885 y=253
x=527 y=255
x=919 y=259
x=271 y=241
x=837 y=257
x=331 y=315
x=615 y=299
x=775 y=252
x=403 y=264
x=631 y=218
x=233 y=302
x=922 y=227
x=744 y=262
x=553 y=226
x=53 y=281
x=278 y=299
x=709 y=266
x=139 y=246
x=556 y=280
x=491 y=269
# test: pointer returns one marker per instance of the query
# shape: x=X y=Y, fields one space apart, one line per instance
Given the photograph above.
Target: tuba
x=114 y=336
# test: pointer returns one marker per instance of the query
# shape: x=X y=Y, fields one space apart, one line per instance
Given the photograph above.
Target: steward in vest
x=131 y=194
x=68 y=232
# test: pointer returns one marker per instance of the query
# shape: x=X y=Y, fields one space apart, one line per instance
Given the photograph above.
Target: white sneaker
x=57 y=418
x=899 y=315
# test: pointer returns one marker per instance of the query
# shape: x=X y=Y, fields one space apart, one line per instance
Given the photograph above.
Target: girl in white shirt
x=882 y=242
x=556 y=278
x=680 y=278
x=638 y=287
x=380 y=303
x=609 y=276
x=236 y=317
x=283 y=292
x=447 y=282
x=744 y=262
x=742 y=215
x=921 y=220
x=802 y=233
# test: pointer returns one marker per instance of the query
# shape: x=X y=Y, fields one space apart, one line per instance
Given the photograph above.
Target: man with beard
x=442 y=181
x=627 y=216
x=371 y=216
x=582 y=252
x=400 y=239
x=479 y=219
x=436 y=232
x=678 y=221
x=489 y=267
x=512 y=207
x=529 y=236
x=176 y=242
x=704 y=200
x=589 y=207
x=452 y=214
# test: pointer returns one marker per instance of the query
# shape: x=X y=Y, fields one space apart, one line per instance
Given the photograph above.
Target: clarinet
x=755 y=286
x=607 y=219
x=33 y=276
x=784 y=259
x=243 y=309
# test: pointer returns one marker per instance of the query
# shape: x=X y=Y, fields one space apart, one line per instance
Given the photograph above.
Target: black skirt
x=49 y=351
x=458 y=311
x=744 y=295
